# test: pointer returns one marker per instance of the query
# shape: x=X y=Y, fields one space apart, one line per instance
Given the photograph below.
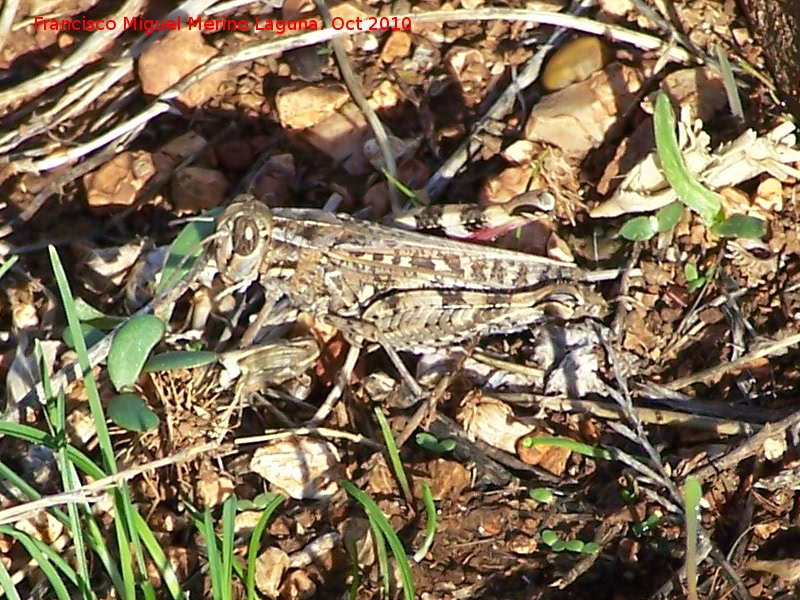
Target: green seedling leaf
x=575 y=546
x=559 y=546
x=91 y=336
x=130 y=349
x=692 y=493
x=549 y=537
x=186 y=248
x=428 y=441
x=740 y=226
x=591 y=548
x=168 y=361
x=668 y=216
x=6 y=265
x=690 y=191
x=87 y=312
x=543 y=495
x=130 y=412
x=447 y=445
x=639 y=229
x=695 y=284
x=243 y=504
x=690 y=272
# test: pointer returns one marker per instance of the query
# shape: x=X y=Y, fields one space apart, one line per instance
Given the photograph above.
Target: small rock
x=197 y=188
x=303 y=107
x=235 y=156
x=173 y=57
x=115 y=185
x=398 y=45
x=574 y=62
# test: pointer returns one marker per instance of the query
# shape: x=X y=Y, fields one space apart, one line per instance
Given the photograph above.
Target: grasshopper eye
x=245 y=236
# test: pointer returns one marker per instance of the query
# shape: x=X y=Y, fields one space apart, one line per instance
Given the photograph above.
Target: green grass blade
x=692 y=492
x=379 y=542
x=32 y=435
x=394 y=454
x=153 y=547
x=729 y=81
x=69 y=475
x=48 y=560
x=214 y=559
x=124 y=525
x=430 y=528
x=374 y=513
x=690 y=191
x=6 y=265
x=255 y=543
x=7 y=584
x=228 y=536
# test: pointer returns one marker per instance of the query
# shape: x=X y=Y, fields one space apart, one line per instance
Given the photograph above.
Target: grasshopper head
x=243 y=239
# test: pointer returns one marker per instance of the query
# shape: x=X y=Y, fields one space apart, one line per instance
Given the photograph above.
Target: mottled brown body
x=405 y=289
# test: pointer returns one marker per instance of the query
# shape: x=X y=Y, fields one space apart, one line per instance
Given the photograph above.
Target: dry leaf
x=305 y=468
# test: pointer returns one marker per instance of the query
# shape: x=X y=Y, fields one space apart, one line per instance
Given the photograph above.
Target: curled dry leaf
x=578 y=118
x=305 y=468
x=25 y=371
x=115 y=185
x=491 y=421
x=171 y=58
x=787 y=569
x=104 y=269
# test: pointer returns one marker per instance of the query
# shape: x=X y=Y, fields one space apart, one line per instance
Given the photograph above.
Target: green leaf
x=91 y=335
x=447 y=445
x=87 y=312
x=690 y=272
x=168 y=361
x=639 y=229
x=695 y=284
x=669 y=215
x=186 y=248
x=741 y=226
x=427 y=441
x=690 y=191
x=130 y=412
x=549 y=537
x=559 y=546
x=130 y=348
x=591 y=548
x=543 y=495
x=575 y=546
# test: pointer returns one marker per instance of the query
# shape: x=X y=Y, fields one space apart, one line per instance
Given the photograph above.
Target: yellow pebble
x=574 y=61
